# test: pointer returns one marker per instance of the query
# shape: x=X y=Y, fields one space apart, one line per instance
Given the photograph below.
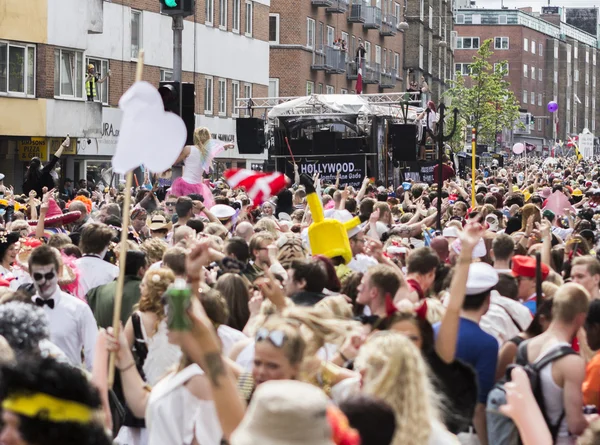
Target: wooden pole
x=123 y=247
x=473 y=164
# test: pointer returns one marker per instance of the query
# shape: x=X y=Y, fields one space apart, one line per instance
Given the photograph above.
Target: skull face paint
x=45 y=279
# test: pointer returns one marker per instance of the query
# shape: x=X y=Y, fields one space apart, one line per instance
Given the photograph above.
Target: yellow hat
x=515 y=188
x=577 y=192
x=90 y=66
x=527 y=195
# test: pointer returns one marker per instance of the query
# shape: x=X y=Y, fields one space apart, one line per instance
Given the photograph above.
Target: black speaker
x=403 y=142
x=250 y=134
x=172 y=100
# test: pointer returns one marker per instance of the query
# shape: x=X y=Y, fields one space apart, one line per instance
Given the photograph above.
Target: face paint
x=45 y=279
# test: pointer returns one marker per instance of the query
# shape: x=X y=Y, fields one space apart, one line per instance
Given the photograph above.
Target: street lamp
x=403 y=26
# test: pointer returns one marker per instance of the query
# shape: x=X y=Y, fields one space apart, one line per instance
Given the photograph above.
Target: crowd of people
x=324 y=315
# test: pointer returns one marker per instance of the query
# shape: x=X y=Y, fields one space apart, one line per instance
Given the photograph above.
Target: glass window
x=235 y=94
x=310 y=87
x=575 y=56
x=249 y=17
x=525 y=96
x=209 y=11
x=320 y=88
x=525 y=44
x=525 y=70
x=329 y=89
x=533 y=47
x=273 y=87
x=541 y=49
x=533 y=72
x=235 y=26
x=539 y=99
x=532 y=98
x=460 y=19
x=274 y=28
x=166 y=75
x=101 y=69
x=136 y=33
x=208 y=95
x=223 y=14
x=310 y=33
x=556 y=50
x=501 y=43
x=222 y=97
x=17 y=69
x=68 y=73
x=540 y=74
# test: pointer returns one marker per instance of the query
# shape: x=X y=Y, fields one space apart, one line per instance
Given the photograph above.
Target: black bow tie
x=41 y=302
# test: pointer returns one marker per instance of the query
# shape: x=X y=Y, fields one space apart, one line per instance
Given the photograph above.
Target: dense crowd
x=391 y=333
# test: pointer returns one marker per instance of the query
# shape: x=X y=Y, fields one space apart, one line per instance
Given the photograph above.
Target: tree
x=483 y=97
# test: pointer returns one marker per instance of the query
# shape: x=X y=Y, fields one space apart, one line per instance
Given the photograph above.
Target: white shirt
x=498 y=320
x=562 y=233
x=94 y=272
x=229 y=337
x=72 y=327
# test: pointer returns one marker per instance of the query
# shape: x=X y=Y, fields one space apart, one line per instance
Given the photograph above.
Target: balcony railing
x=357 y=13
x=338 y=6
x=371 y=73
x=389 y=25
x=330 y=59
x=351 y=70
x=388 y=79
x=325 y=3
x=372 y=17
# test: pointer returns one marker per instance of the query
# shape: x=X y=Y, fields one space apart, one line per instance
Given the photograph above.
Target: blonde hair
x=267 y=225
x=201 y=136
x=435 y=310
x=570 y=300
x=216 y=229
x=397 y=374
x=154 y=249
x=335 y=306
x=156 y=282
x=294 y=346
x=549 y=289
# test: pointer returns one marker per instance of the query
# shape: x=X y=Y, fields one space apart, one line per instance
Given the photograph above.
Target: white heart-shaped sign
x=149 y=135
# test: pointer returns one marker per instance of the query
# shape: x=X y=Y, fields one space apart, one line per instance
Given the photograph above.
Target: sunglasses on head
x=39 y=277
x=276 y=337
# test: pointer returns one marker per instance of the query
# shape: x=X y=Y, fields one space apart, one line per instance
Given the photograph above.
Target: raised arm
x=184 y=154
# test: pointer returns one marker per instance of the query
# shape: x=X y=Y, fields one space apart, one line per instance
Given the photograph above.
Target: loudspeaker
x=403 y=142
x=250 y=134
x=188 y=100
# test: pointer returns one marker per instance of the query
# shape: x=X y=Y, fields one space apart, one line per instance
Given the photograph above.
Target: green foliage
x=484 y=98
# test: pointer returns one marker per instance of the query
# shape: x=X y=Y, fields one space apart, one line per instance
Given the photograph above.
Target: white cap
x=450 y=232
x=478 y=252
x=284 y=216
x=222 y=211
x=482 y=277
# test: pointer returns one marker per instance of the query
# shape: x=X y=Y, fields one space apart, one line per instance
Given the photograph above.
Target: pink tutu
x=183 y=188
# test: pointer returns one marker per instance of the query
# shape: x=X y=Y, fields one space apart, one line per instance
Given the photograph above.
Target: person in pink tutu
x=197 y=160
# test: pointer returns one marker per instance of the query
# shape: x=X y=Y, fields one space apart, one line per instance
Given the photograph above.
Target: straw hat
x=285 y=412
x=54 y=215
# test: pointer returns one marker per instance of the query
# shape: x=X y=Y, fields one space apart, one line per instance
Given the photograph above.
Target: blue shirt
x=480 y=350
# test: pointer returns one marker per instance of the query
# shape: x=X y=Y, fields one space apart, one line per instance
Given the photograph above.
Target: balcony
x=372 y=17
x=78 y=118
x=372 y=73
x=322 y=3
x=389 y=26
x=357 y=13
x=338 y=6
x=330 y=59
x=351 y=70
x=388 y=79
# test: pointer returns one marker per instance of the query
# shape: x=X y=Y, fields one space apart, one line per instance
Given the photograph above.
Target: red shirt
x=447 y=172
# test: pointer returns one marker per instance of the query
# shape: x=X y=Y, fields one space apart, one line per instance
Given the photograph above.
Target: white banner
x=586 y=145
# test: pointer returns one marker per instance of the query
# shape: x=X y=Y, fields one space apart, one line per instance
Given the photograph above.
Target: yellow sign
x=33 y=147
x=54 y=144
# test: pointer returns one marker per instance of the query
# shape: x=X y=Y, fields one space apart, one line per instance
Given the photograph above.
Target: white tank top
x=246 y=357
x=553 y=398
x=192 y=170
x=162 y=355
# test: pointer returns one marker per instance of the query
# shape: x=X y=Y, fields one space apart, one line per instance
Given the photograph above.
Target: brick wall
x=44 y=81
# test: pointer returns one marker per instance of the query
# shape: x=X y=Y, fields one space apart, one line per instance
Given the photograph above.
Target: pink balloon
x=518 y=148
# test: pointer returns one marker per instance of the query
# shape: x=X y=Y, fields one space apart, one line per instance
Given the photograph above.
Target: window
x=532 y=98
x=476 y=19
x=422 y=10
x=501 y=43
x=68 y=73
x=460 y=19
x=310 y=33
x=587 y=59
x=540 y=74
x=467 y=43
x=377 y=54
x=273 y=87
x=533 y=47
x=166 y=75
x=525 y=69
x=101 y=68
x=539 y=125
x=235 y=94
x=587 y=78
x=463 y=68
x=310 y=88
x=222 y=97
x=235 y=26
x=430 y=17
x=525 y=44
x=502 y=19
x=249 y=18
x=568 y=103
x=397 y=11
x=541 y=50
x=136 y=33
x=533 y=72
x=208 y=95
x=501 y=66
x=397 y=63
x=576 y=75
x=525 y=96
x=556 y=50
x=330 y=35
x=568 y=54
x=209 y=11
x=274 y=28
x=320 y=88
x=343 y=91
x=223 y=14
x=247 y=95
x=17 y=69
x=575 y=56
x=329 y=89
x=421 y=56
x=587 y=102
x=555 y=76
x=367 y=52
x=539 y=100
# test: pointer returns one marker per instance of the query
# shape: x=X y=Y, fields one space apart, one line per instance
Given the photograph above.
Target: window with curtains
x=17 y=69
x=68 y=73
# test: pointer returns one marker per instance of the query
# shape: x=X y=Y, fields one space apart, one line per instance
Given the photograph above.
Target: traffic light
x=177 y=7
x=180 y=98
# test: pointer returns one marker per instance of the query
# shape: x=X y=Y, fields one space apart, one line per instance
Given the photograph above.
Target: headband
x=49 y=408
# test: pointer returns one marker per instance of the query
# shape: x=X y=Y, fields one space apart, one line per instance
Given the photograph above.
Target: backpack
x=501 y=428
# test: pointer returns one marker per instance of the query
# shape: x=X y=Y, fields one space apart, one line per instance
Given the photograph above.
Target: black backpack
x=533 y=372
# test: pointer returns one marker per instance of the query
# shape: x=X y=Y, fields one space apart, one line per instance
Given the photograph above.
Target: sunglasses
x=40 y=277
x=277 y=338
x=170 y=204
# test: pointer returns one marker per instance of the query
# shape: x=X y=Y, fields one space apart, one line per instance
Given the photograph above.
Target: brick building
x=45 y=46
x=547 y=60
x=306 y=56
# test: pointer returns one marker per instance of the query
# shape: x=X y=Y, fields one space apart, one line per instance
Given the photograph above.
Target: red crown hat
x=55 y=215
x=524 y=266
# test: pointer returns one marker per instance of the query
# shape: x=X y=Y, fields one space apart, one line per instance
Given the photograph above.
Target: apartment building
x=315 y=46
x=547 y=60
x=46 y=45
x=429 y=56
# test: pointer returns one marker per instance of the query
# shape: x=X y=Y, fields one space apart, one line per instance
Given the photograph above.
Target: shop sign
x=33 y=147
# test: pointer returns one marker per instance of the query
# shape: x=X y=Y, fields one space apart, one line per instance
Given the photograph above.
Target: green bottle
x=178 y=300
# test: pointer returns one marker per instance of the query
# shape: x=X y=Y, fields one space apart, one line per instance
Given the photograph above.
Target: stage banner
x=353 y=169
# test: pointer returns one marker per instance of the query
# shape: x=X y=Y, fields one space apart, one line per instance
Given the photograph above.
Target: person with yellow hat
x=91 y=79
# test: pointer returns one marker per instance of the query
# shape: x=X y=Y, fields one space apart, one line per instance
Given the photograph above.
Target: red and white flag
x=259 y=186
x=359 y=82
x=573 y=141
